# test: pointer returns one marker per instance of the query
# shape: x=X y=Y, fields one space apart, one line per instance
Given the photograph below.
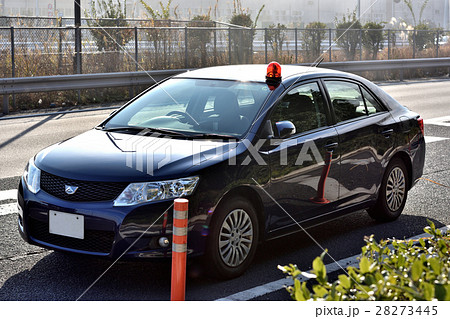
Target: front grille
x=86 y=192
x=97 y=241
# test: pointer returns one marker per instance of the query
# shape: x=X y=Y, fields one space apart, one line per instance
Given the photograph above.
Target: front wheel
x=233 y=239
x=393 y=192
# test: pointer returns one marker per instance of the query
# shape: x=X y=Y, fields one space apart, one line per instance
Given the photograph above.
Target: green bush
x=348 y=35
x=110 y=14
x=199 y=39
x=276 y=36
x=423 y=37
x=372 y=38
x=312 y=38
x=391 y=270
x=242 y=39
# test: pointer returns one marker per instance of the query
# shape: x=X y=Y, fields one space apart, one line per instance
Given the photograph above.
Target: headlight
x=32 y=177
x=137 y=193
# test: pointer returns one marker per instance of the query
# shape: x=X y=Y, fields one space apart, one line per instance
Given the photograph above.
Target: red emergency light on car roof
x=273 y=75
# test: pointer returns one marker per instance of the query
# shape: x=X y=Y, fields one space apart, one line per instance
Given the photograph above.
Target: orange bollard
x=179 y=249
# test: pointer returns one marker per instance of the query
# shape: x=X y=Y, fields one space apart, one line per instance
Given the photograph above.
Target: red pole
x=179 y=249
x=320 y=197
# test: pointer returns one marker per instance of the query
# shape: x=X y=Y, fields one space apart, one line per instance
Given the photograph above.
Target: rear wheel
x=393 y=192
x=233 y=239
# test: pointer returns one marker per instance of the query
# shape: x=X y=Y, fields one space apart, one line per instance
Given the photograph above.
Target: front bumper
x=109 y=231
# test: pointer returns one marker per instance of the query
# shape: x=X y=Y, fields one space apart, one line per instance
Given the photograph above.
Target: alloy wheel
x=395 y=189
x=235 y=238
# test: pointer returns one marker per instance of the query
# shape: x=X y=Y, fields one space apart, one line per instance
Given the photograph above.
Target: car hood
x=105 y=156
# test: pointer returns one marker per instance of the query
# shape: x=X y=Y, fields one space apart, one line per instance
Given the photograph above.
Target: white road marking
x=431 y=139
x=8 y=194
x=7 y=209
x=442 y=121
x=281 y=283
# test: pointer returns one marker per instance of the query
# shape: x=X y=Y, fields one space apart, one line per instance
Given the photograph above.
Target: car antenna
x=316 y=64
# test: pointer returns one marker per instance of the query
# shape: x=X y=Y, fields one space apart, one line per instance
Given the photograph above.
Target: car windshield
x=194 y=107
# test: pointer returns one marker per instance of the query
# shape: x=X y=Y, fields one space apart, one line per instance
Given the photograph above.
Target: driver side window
x=303 y=106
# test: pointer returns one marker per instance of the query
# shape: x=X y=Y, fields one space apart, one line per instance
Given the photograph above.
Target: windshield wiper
x=148 y=130
x=142 y=130
x=120 y=128
x=213 y=136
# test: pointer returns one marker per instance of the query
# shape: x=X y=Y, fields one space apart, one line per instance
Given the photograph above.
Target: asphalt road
x=32 y=273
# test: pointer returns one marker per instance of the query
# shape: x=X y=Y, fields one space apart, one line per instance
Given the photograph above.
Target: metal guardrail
x=82 y=81
x=10 y=86
x=382 y=65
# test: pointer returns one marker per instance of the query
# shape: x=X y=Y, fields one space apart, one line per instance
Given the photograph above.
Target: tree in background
x=276 y=35
x=422 y=37
x=154 y=14
x=373 y=37
x=348 y=35
x=109 y=13
x=159 y=37
x=199 y=39
x=312 y=38
x=242 y=39
x=409 y=4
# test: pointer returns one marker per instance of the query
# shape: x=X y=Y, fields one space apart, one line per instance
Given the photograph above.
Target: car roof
x=254 y=72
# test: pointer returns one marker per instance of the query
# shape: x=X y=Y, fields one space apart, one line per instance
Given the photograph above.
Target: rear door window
x=346 y=99
x=372 y=105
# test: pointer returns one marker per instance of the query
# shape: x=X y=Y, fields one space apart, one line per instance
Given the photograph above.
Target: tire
x=233 y=239
x=393 y=192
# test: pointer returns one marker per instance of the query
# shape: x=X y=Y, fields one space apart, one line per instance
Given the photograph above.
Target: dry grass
x=50 y=58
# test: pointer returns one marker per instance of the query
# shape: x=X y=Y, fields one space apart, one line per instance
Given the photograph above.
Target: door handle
x=331 y=146
x=387 y=133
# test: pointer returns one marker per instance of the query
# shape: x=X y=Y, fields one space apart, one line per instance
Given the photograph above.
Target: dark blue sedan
x=259 y=151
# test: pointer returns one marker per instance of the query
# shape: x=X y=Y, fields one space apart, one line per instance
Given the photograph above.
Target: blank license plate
x=64 y=224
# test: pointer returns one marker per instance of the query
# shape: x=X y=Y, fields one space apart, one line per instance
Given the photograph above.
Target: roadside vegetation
x=391 y=270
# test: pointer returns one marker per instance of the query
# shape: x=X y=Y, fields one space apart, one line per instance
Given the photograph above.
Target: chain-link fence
x=158 y=45
x=38 y=51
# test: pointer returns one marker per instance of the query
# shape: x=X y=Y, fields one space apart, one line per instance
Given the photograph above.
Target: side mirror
x=285 y=129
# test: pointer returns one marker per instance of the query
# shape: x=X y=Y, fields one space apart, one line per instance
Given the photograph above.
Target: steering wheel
x=187 y=116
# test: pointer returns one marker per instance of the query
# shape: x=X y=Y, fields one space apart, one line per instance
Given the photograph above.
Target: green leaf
x=298 y=295
x=345 y=281
x=364 y=265
x=416 y=270
x=322 y=255
x=320 y=270
x=305 y=291
x=435 y=265
x=401 y=261
x=428 y=290
x=320 y=291
x=442 y=292
x=422 y=242
x=432 y=226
